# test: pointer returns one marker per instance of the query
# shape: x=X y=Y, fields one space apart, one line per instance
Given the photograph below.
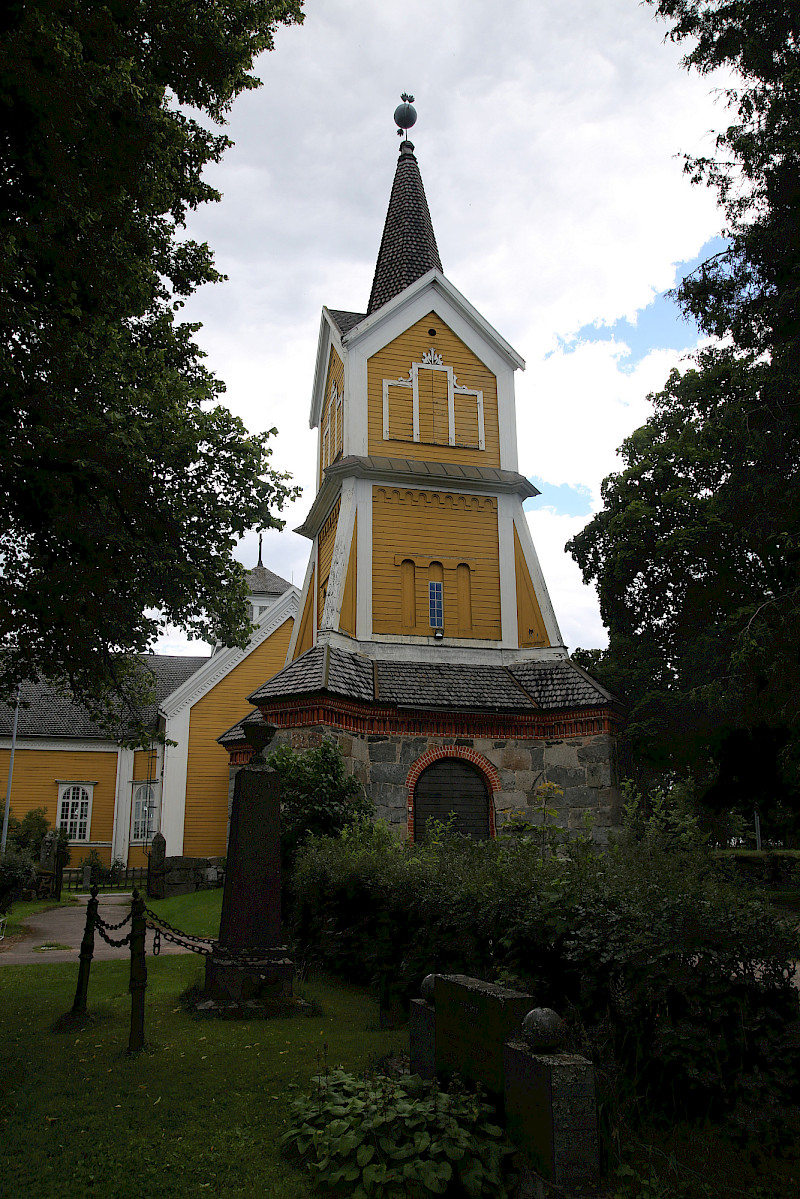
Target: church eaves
x=408 y=246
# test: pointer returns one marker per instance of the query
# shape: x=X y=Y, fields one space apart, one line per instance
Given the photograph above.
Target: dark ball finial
x=405 y=115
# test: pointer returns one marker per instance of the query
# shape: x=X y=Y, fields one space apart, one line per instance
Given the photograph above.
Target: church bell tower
x=427 y=644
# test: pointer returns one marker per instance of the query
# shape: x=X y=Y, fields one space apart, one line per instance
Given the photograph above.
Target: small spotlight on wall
x=438 y=634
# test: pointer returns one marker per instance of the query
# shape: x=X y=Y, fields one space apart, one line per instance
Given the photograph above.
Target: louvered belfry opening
x=452 y=785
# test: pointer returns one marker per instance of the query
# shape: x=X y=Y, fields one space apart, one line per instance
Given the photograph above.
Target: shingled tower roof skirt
x=408 y=247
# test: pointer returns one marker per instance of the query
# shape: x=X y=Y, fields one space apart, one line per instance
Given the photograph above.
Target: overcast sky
x=549 y=138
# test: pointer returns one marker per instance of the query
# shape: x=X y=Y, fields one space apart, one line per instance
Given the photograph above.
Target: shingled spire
x=408 y=247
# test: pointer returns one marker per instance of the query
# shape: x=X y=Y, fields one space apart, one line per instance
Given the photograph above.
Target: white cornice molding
x=222 y=663
x=414 y=474
x=435 y=283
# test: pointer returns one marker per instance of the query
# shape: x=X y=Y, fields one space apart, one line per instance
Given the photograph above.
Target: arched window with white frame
x=75 y=809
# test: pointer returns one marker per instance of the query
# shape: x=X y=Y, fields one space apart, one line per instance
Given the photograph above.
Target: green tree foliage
x=318 y=797
x=124 y=484
x=696 y=553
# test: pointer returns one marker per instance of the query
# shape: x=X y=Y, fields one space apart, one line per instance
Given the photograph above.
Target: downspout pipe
x=10 y=775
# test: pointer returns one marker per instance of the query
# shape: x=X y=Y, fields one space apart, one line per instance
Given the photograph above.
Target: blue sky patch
x=563 y=497
x=658 y=326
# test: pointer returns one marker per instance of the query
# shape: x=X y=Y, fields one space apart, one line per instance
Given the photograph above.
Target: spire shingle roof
x=408 y=247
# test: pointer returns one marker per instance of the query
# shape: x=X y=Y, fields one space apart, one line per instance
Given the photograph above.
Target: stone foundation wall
x=583 y=767
x=184 y=875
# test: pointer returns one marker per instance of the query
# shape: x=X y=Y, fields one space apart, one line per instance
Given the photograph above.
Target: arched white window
x=144 y=812
x=75 y=809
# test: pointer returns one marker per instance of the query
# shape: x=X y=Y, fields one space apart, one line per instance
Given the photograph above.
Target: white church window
x=144 y=808
x=75 y=809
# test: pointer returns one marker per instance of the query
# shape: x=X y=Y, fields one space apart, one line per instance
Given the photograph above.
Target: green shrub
x=16 y=873
x=28 y=833
x=393 y=1138
x=691 y=974
x=318 y=797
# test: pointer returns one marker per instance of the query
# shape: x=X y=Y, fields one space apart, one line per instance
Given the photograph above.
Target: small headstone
x=86 y=879
x=422 y=1038
x=473 y=1021
x=47 y=850
x=551 y=1113
x=156 y=863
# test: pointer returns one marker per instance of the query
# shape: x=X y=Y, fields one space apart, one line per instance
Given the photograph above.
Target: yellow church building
x=112 y=799
x=427 y=645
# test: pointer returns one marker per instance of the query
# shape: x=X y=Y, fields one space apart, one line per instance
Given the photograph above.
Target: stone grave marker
x=156 y=863
x=550 y=1105
x=473 y=1021
x=422 y=1030
x=251 y=901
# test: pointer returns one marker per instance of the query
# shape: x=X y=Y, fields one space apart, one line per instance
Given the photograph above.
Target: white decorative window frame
x=433 y=362
x=65 y=786
x=153 y=814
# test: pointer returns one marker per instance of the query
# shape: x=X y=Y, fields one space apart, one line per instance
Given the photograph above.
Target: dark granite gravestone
x=551 y=1113
x=156 y=867
x=249 y=962
x=473 y=1020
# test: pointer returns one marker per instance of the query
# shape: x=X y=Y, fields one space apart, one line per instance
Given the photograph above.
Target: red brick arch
x=489 y=772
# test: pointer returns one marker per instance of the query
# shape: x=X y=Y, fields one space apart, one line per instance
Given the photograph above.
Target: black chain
x=155 y=919
x=207 y=946
x=101 y=923
x=112 y=941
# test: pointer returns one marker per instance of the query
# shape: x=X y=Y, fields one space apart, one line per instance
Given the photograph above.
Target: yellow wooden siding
x=394 y=362
x=305 y=637
x=137 y=855
x=206 y=818
x=347 y=616
x=426 y=527
x=326 y=539
x=530 y=625
x=35 y=785
x=145 y=765
x=331 y=425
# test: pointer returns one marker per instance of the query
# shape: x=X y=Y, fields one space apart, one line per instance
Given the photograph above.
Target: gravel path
x=64 y=926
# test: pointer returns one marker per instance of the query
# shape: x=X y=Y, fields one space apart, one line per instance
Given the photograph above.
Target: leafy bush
x=16 y=873
x=318 y=797
x=28 y=832
x=691 y=974
x=396 y=1138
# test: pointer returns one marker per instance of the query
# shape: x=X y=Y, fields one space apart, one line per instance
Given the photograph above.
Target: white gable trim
x=222 y=663
x=328 y=336
x=433 y=292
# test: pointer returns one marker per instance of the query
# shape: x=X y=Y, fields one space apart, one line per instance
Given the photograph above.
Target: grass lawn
x=199 y=1112
x=197 y=913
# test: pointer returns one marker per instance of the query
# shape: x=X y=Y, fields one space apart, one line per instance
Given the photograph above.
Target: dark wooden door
x=452 y=785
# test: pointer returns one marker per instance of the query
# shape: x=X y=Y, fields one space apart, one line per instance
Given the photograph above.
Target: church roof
x=345 y=321
x=48 y=711
x=408 y=247
x=523 y=687
x=261 y=581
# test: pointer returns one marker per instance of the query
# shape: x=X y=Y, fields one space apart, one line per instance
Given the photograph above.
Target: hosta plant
x=377 y=1137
